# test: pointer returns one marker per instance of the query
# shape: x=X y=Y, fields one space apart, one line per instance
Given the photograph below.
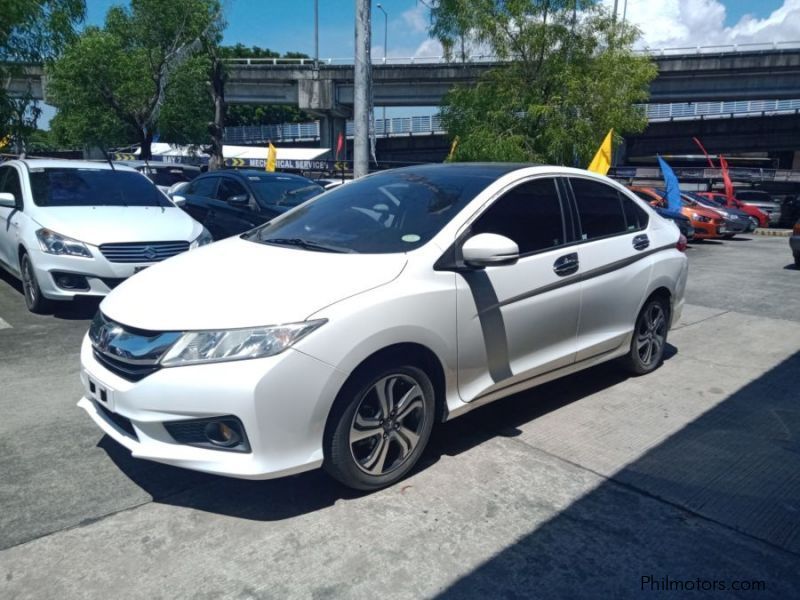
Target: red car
x=756 y=214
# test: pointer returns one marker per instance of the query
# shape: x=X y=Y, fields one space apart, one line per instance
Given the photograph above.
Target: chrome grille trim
x=142 y=252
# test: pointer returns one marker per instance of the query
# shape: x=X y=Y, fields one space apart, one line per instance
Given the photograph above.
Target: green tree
x=570 y=76
x=140 y=72
x=31 y=32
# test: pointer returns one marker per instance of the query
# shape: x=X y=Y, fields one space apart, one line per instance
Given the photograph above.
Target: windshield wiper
x=305 y=244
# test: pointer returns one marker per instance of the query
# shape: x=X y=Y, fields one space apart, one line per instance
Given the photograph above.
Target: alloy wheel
x=651 y=334
x=28 y=282
x=755 y=223
x=387 y=424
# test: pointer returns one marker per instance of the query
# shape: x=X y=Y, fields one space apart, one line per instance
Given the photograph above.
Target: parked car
x=338 y=333
x=763 y=201
x=232 y=202
x=683 y=223
x=790 y=209
x=736 y=220
x=758 y=217
x=707 y=223
x=76 y=228
x=164 y=175
x=794 y=244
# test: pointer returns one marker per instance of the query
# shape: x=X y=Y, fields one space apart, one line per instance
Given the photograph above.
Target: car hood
x=237 y=283
x=705 y=211
x=97 y=225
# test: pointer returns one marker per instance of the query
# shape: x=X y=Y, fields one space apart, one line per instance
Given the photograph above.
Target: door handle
x=640 y=242
x=566 y=265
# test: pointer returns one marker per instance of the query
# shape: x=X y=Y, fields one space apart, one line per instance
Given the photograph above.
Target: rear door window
x=600 y=209
x=206 y=187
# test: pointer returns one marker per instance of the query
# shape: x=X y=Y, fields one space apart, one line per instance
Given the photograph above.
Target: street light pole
x=316 y=34
x=385 y=47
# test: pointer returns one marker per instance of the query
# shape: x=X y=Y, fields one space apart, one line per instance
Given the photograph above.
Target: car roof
x=62 y=163
x=245 y=173
x=156 y=164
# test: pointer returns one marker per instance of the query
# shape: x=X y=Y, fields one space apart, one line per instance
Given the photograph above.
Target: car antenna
x=108 y=158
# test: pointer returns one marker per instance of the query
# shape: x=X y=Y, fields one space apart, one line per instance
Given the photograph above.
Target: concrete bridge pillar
x=318 y=97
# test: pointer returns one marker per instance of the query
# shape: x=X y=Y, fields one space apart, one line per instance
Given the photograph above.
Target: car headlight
x=202 y=240
x=236 y=344
x=701 y=218
x=55 y=243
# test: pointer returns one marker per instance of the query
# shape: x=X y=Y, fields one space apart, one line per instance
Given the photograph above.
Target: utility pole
x=362 y=92
x=316 y=34
x=385 y=50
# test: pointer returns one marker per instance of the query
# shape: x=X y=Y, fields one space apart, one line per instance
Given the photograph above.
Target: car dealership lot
x=581 y=487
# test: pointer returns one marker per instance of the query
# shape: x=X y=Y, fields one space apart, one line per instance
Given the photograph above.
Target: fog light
x=70 y=281
x=222 y=434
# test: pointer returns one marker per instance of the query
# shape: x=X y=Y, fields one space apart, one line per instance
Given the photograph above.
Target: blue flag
x=673 y=192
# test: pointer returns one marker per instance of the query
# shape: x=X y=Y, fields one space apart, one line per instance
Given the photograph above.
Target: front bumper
x=282 y=401
x=101 y=274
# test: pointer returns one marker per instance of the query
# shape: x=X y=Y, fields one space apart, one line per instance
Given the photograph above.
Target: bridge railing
x=490 y=58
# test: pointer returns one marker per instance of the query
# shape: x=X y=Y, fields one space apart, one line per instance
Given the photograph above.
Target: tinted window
x=168 y=177
x=230 y=187
x=9 y=182
x=93 y=187
x=395 y=211
x=203 y=186
x=599 y=208
x=635 y=217
x=529 y=214
x=285 y=191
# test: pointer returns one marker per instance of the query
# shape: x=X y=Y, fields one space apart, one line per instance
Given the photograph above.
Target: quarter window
x=530 y=214
x=635 y=217
x=599 y=208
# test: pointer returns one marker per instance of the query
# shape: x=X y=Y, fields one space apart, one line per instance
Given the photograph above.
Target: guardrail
x=432 y=124
x=490 y=58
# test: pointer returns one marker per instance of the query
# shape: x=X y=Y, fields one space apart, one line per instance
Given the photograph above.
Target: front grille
x=142 y=252
x=118 y=420
x=124 y=369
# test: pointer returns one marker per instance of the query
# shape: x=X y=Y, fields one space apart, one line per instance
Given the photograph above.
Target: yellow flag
x=453 y=147
x=272 y=156
x=601 y=162
x=4 y=142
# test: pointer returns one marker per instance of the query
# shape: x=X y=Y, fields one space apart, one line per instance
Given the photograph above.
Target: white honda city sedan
x=75 y=228
x=339 y=333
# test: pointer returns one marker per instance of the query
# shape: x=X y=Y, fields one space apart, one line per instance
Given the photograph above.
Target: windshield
x=396 y=211
x=283 y=191
x=169 y=177
x=93 y=187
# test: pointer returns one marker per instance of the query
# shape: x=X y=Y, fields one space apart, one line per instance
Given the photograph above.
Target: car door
x=10 y=218
x=232 y=217
x=197 y=194
x=518 y=321
x=615 y=264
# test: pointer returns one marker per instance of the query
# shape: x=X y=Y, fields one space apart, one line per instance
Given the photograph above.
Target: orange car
x=707 y=223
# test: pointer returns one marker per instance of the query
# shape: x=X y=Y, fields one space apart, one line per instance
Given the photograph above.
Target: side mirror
x=489 y=250
x=239 y=199
x=7 y=200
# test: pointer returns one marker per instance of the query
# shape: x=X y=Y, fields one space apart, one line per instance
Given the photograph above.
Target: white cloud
x=671 y=23
x=416 y=19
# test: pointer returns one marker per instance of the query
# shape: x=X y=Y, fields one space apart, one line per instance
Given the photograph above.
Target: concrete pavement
x=579 y=488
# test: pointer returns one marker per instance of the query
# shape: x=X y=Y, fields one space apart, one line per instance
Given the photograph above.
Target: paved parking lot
x=580 y=488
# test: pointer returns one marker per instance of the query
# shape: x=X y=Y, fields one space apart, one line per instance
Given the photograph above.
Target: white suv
x=71 y=228
x=338 y=333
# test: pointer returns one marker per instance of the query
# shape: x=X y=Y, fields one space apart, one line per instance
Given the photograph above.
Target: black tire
x=797 y=260
x=728 y=236
x=34 y=299
x=755 y=222
x=349 y=462
x=652 y=325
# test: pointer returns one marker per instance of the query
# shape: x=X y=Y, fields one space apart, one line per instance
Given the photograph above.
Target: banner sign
x=281 y=164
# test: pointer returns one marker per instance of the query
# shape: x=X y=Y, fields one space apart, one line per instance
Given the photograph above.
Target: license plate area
x=99 y=392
